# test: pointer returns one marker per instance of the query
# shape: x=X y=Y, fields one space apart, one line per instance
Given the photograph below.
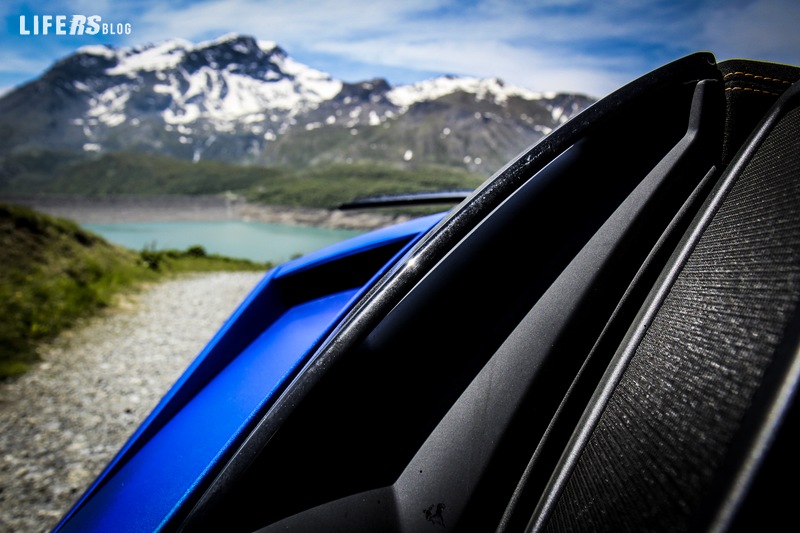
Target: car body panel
x=176 y=446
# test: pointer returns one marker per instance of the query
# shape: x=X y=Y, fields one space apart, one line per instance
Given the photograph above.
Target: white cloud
x=521 y=66
x=578 y=45
x=418 y=35
x=278 y=20
x=765 y=30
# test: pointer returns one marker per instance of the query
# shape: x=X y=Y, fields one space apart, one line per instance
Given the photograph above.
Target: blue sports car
x=605 y=336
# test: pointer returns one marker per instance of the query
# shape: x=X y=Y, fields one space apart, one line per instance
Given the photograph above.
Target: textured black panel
x=751 y=88
x=653 y=455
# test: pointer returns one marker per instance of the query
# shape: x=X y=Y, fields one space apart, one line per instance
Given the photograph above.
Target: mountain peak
x=240 y=99
x=233 y=48
x=241 y=43
x=228 y=39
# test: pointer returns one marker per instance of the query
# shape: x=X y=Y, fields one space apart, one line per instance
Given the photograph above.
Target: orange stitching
x=757 y=77
x=752 y=90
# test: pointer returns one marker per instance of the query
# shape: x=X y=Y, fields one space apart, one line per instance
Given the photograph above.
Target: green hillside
x=122 y=173
x=324 y=186
x=53 y=273
x=331 y=185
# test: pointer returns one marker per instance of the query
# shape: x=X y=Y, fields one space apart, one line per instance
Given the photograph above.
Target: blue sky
x=586 y=46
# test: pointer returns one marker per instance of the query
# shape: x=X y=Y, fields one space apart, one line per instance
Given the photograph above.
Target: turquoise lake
x=258 y=241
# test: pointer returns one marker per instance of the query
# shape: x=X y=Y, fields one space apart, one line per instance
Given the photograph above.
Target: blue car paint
x=239 y=372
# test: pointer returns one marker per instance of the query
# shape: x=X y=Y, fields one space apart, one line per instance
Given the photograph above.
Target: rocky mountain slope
x=239 y=100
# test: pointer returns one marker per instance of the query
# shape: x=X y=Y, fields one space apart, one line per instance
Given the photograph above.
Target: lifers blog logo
x=74 y=25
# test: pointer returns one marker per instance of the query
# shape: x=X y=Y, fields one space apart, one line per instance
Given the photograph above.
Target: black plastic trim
x=439 y=243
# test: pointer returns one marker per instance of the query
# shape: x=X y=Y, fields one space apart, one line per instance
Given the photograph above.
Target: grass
x=194 y=259
x=53 y=273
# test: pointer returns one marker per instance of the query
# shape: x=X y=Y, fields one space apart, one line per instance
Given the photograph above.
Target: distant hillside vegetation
x=324 y=186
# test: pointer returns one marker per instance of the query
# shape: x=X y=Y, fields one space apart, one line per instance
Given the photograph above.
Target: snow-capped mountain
x=241 y=100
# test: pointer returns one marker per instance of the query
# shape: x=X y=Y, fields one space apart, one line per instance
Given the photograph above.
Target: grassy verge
x=53 y=273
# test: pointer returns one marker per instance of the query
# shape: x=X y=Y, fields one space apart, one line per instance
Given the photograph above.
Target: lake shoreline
x=188 y=208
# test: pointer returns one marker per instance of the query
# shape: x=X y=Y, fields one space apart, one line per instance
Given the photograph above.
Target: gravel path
x=61 y=423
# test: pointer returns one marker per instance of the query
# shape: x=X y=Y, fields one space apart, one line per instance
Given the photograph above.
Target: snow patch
x=558 y=114
x=267 y=46
x=374 y=119
x=166 y=55
x=108 y=107
x=100 y=50
x=491 y=89
x=81 y=86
